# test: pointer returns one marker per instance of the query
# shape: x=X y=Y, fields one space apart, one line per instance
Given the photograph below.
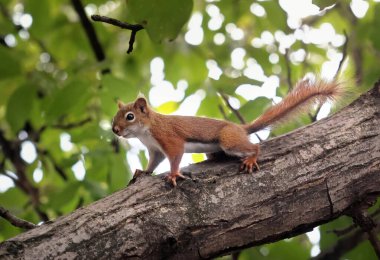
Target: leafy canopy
x=54 y=95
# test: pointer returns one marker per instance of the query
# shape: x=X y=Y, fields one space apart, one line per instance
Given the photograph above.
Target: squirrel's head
x=131 y=119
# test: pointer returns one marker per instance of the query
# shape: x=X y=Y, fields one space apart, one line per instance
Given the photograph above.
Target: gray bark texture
x=308 y=177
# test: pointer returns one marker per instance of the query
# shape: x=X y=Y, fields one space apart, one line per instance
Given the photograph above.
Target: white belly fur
x=193 y=147
x=190 y=147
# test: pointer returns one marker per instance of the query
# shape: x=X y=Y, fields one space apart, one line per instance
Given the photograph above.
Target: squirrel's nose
x=116 y=129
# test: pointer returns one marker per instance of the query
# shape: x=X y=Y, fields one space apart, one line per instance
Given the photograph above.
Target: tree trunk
x=307 y=178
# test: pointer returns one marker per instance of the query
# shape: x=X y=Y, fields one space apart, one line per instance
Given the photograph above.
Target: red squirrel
x=172 y=135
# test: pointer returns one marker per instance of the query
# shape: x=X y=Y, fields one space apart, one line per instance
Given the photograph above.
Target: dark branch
x=221 y=109
x=90 y=32
x=343 y=246
x=288 y=71
x=361 y=218
x=73 y=125
x=236 y=112
x=344 y=55
x=131 y=41
x=15 y=221
x=133 y=27
x=11 y=150
x=57 y=168
x=123 y=25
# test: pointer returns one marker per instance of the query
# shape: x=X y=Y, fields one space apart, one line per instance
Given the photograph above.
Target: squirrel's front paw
x=249 y=163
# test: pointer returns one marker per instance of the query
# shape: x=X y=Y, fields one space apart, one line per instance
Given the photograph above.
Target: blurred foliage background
x=58 y=89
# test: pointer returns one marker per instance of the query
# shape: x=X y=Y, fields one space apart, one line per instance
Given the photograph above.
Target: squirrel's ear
x=141 y=104
x=120 y=104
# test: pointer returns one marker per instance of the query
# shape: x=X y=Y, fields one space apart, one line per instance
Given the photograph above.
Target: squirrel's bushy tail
x=303 y=96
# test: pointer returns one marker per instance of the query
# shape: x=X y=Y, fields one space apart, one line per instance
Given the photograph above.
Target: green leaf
x=119 y=172
x=19 y=107
x=228 y=85
x=95 y=188
x=210 y=105
x=13 y=199
x=41 y=13
x=328 y=237
x=373 y=30
x=11 y=67
x=252 y=109
x=59 y=199
x=162 y=19
x=324 y=3
x=290 y=125
x=295 y=249
x=113 y=89
x=67 y=100
x=186 y=65
x=363 y=251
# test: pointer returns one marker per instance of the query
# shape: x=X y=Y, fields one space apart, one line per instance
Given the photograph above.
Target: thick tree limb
x=307 y=178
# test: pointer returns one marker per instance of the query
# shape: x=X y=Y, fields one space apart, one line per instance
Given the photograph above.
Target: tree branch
x=133 y=27
x=288 y=70
x=308 y=177
x=361 y=218
x=90 y=32
x=344 y=55
x=73 y=124
x=11 y=150
x=236 y=112
x=15 y=221
x=343 y=246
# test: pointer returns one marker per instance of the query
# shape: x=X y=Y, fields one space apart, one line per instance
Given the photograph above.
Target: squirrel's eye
x=130 y=116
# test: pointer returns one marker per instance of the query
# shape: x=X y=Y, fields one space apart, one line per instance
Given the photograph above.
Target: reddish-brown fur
x=170 y=135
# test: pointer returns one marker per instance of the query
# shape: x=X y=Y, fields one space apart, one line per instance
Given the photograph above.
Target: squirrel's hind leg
x=234 y=141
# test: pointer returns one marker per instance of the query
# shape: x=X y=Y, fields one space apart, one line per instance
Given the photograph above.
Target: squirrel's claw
x=172 y=178
x=249 y=163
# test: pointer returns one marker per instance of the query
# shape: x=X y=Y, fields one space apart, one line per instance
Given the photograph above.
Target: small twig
x=235 y=256
x=133 y=27
x=313 y=118
x=236 y=112
x=115 y=145
x=15 y=221
x=57 y=168
x=344 y=55
x=361 y=218
x=131 y=41
x=73 y=125
x=118 y=23
x=223 y=112
x=288 y=70
x=345 y=231
x=343 y=246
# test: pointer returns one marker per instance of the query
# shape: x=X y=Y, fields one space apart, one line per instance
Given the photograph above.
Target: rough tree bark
x=307 y=177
